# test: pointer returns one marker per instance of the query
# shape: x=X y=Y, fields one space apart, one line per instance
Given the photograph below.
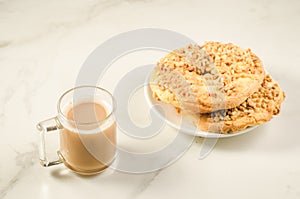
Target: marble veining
x=142 y=187
x=92 y=10
x=43 y=44
x=23 y=160
x=4 y=100
x=4 y=44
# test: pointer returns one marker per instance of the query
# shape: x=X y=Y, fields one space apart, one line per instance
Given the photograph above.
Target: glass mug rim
x=64 y=126
x=64 y=117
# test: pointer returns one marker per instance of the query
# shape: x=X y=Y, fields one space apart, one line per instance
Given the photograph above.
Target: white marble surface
x=43 y=44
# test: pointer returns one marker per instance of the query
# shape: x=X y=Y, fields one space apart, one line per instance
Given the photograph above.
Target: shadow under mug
x=85 y=147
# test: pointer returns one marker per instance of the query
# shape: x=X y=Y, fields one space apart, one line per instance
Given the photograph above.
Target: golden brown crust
x=209 y=78
x=258 y=108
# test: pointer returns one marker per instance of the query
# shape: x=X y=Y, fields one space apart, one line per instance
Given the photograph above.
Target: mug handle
x=47 y=126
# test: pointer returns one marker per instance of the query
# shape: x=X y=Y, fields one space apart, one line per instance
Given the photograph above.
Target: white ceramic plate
x=169 y=114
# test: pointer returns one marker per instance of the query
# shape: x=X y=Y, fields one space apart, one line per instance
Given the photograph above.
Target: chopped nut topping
x=264 y=98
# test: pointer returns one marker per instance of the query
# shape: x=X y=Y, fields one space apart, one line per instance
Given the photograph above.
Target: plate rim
x=198 y=132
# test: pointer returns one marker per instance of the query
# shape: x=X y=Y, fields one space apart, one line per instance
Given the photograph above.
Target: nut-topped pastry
x=203 y=79
x=258 y=108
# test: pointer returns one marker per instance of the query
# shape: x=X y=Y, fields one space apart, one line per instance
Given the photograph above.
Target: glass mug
x=87 y=130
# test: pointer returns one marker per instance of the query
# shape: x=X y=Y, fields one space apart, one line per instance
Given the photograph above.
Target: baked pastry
x=258 y=108
x=208 y=78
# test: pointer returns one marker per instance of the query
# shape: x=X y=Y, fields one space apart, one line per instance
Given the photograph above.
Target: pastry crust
x=257 y=109
x=207 y=78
